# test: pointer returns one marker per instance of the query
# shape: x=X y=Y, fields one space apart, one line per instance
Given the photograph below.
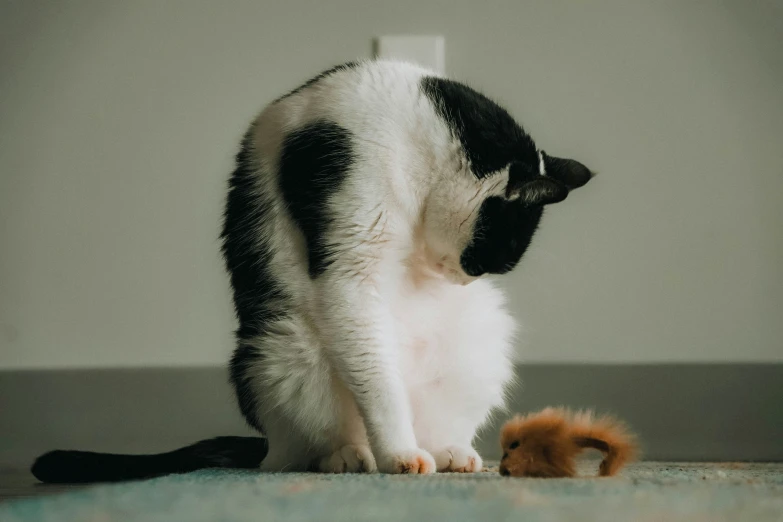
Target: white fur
x=393 y=356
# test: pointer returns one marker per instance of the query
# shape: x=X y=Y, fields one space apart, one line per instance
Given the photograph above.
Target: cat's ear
x=569 y=172
x=541 y=191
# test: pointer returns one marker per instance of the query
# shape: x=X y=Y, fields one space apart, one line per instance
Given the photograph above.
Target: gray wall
x=118 y=121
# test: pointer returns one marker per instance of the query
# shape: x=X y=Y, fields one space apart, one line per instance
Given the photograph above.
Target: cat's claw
x=457 y=459
x=411 y=462
x=351 y=458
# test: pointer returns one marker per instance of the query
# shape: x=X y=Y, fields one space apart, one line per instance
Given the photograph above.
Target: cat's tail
x=71 y=467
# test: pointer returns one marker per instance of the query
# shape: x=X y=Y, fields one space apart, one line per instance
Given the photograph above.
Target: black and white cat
x=364 y=212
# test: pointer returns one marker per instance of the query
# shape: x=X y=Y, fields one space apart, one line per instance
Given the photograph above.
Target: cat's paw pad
x=457 y=459
x=351 y=458
x=411 y=462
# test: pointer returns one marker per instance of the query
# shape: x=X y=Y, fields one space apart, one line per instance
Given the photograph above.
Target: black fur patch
x=502 y=233
x=313 y=164
x=490 y=136
x=328 y=72
x=258 y=298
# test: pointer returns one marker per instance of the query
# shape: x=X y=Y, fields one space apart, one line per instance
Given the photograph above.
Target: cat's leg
x=287 y=388
x=360 y=340
x=468 y=382
x=284 y=387
x=289 y=450
x=446 y=432
x=341 y=447
x=351 y=451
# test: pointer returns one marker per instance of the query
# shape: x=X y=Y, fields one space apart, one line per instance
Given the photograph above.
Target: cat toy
x=546 y=444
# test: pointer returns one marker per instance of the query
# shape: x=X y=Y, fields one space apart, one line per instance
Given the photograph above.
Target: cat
x=366 y=210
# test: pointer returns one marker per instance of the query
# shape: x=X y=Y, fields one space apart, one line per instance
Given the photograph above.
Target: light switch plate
x=428 y=51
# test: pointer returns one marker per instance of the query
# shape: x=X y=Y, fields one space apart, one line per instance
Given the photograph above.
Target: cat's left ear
x=569 y=172
x=539 y=191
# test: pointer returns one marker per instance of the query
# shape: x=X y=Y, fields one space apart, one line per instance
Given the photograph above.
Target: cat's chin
x=457 y=277
x=442 y=270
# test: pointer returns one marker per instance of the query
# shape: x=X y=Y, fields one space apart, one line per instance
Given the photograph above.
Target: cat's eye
x=514 y=445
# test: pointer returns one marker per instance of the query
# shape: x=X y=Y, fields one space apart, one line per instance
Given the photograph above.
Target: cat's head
x=506 y=222
x=475 y=232
x=475 y=226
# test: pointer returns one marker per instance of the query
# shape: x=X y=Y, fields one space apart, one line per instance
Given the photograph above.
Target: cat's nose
x=504 y=471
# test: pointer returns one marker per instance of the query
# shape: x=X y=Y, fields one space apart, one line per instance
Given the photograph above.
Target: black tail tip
x=46 y=467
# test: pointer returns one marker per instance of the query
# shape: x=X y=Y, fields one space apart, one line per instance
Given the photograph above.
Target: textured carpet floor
x=645 y=492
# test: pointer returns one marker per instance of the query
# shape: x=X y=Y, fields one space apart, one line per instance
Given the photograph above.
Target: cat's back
x=352 y=92
x=374 y=100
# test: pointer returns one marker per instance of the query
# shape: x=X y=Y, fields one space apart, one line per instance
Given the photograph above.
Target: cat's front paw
x=457 y=459
x=350 y=458
x=412 y=462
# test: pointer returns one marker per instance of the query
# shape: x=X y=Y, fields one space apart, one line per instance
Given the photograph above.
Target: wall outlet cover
x=428 y=51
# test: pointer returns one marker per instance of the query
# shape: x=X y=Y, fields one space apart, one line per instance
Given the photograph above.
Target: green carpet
x=644 y=492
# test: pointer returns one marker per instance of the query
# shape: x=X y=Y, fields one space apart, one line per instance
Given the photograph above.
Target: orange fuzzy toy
x=546 y=444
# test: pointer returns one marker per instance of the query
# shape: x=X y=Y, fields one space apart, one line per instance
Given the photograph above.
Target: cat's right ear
x=569 y=172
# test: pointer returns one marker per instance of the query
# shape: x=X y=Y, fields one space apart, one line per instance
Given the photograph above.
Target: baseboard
x=692 y=412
